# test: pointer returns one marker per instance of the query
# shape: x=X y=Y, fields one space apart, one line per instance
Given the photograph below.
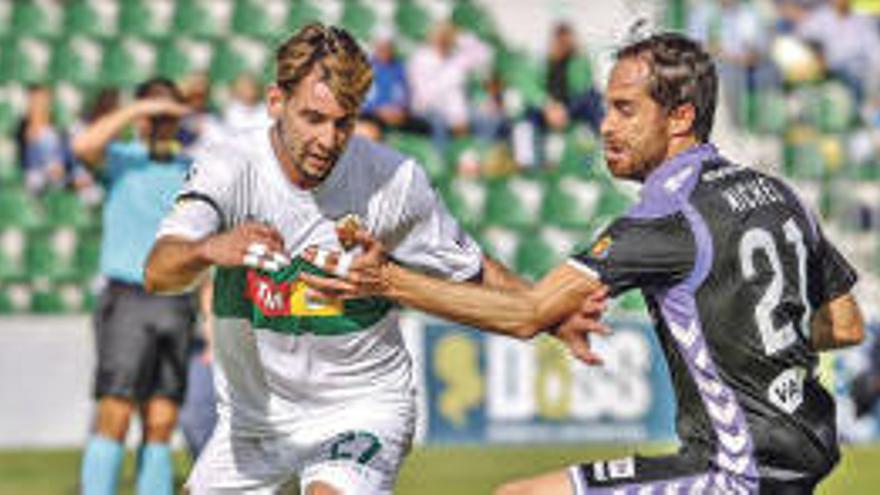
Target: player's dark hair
x=681 y=73
x=150 y=87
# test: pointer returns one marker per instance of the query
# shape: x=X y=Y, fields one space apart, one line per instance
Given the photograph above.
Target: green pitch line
x=428 y=471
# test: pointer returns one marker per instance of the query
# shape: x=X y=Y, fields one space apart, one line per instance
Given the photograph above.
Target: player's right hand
x=251 y=244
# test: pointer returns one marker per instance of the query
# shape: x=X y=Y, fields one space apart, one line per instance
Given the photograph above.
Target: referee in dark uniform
x=743 y=287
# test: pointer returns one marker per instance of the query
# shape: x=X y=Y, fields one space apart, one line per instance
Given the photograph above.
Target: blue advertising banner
x=485 y=388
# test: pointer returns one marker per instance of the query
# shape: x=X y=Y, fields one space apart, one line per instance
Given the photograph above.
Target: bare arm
x=837 y=324
x=89 y=145
x=497 y=276
x=175 y=262
x=520 y=313
x=567 y=302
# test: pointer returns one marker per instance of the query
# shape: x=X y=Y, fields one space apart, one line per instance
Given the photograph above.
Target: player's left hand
x=359 y=273
x=575 y=330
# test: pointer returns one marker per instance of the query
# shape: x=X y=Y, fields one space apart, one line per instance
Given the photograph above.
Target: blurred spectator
x=142 y=340
x=246 y=109
x=41 y=146
x=848 y=43
x=489 y=115
x=571 y=98
x=732 y=31
x=203 y=124
x=791 y=13
x=439 y=73
x=387 y=104
x=107 y=101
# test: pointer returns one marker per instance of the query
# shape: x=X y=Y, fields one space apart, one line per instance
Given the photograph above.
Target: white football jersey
x=281 y=357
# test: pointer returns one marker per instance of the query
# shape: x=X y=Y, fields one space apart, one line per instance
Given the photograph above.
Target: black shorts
x=143 y=342
x=679 y=473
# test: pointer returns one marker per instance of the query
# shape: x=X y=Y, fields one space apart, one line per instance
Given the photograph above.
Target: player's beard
x=304 y=159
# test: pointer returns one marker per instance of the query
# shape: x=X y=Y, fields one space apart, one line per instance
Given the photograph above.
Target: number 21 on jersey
x=775 y=337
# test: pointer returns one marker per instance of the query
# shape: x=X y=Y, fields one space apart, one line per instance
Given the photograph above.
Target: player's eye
x=345 y=123
x=313 y=117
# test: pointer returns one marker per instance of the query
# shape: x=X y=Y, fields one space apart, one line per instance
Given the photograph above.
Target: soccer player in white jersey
x=314 y=388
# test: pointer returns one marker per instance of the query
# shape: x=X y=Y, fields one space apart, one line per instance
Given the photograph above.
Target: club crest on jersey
x=601 y=247
x=346 y=228
x=273 y=298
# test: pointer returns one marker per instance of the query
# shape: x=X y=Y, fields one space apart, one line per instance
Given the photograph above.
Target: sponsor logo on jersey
x=602 y=247
x=272 y=298
x=346 y=228
x=287 y=298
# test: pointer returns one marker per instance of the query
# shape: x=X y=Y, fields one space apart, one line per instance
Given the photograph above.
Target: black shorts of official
x=143 y=342
x=680 y=473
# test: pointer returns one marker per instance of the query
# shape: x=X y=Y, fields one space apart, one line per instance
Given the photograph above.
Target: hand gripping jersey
x=732 y=265
x=280 y=355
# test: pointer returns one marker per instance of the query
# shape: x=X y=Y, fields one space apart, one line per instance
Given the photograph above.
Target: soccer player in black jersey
x=742 y=285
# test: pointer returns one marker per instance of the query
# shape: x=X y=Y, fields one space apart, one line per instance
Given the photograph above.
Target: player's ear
x=275 y=98
x=681 y=119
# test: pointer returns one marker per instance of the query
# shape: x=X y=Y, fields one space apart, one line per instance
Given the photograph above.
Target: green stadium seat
x=18 y=208
x=15 y=297
x=359 y=19
x=258 y=19
x=614 y=203
x=803 y=159
x=412 y=20
x=226 y=65
x=535 y=257
x=423 y=150
x=466 y=200
x=172 y=61
x=77 y=60
x=194 y=18
x=27 y=60
x=65 y=208
x=301 y=13
x=51 y=253
x=515 y=203
x=88 y=252
x=86 y=18
x=13 y=242
x=765 y=112
x=36 y=18
x=467 y=14
x=572 y=203
x=502 y=243
x=523 y=75
x=837 y=110
x=146 y=19
x=579 y=155
x=540 y=253
x=46 y=299
x=10 y=174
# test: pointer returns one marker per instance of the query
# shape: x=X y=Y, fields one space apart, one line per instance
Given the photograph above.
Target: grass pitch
x=428 y=471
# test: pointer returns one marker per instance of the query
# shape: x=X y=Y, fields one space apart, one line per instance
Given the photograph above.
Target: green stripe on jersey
x=276 y=301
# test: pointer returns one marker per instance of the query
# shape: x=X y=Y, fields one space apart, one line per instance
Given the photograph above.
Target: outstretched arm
x=567 y=302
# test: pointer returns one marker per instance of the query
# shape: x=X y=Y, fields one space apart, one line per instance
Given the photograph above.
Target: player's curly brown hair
x=343 y=63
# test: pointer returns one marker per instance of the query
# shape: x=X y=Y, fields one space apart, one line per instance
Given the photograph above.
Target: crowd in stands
x=453 y=94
